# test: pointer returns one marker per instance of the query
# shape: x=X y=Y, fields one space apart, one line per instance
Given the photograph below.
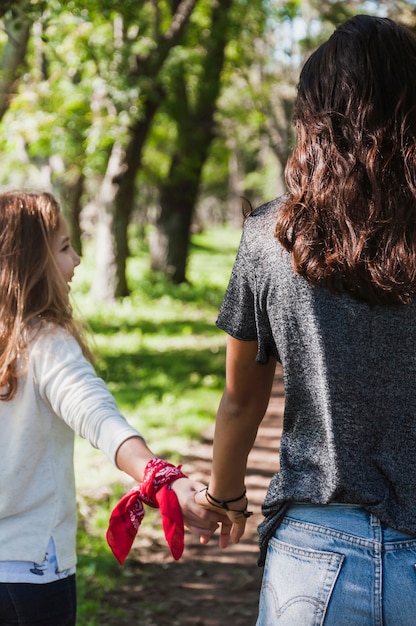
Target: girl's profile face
x=65 y=256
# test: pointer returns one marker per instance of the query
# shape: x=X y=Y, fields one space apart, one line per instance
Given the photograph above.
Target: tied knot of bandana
x=155 y=491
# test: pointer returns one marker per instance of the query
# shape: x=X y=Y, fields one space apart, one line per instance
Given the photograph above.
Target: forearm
x=235 y=433
x=241 y=410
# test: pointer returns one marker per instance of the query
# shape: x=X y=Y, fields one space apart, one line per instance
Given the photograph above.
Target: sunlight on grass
x=162 y=357
x=159 y=350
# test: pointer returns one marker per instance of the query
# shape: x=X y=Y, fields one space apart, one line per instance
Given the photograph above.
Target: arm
x=241 y=410
x=77 y=395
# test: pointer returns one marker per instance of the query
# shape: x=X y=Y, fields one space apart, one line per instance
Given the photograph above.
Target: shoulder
x=268 y=209
x=263 y=219
x=55 y=354
x=267 y=212
x=50 y=340
x=259 y=227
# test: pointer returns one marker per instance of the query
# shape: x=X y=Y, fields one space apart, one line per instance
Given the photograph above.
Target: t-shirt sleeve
x=243 y=313
x=237 y=316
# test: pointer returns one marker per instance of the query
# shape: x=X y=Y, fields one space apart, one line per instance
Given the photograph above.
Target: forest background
x=163 y=113
x=155 y=122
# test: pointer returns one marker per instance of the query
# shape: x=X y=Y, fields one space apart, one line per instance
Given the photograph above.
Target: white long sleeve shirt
x=59 y=393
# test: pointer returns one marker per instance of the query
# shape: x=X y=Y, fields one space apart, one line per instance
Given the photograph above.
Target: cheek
x=69 y=270
x=64 y=268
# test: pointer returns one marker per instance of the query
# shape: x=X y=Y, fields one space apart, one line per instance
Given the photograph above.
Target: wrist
x=236 y=505
x=224 y=503
x=225 y=495
x=158 y=473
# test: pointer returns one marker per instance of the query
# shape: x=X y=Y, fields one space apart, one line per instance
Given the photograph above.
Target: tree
x=117 y=193
x=16 y=25
x=256 y=111
x=85 y=108
x=49 y=119
x=193 y=112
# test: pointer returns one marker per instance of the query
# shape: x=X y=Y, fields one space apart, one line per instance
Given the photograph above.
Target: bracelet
x=223 y=504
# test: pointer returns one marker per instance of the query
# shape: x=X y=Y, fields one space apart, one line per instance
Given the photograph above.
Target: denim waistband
x=349 y=518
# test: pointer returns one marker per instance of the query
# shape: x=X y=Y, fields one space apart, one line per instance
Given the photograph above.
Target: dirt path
x=208 y=586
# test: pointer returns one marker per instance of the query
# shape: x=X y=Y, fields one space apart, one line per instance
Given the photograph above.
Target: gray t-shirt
x=349 y=370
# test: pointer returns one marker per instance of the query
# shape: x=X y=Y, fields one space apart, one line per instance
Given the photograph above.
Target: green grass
x=162 y=357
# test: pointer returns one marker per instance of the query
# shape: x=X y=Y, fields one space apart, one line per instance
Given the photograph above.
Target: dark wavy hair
x=349 y=219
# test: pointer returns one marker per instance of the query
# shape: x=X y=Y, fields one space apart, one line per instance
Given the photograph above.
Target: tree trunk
x=169 y=243
x=126 y=189
x=104 y=285
x=235 y=187
x=71 y=195
x=116 y=199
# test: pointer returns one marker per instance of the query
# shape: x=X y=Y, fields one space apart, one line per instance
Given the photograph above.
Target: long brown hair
x=349 y=220
x=30 y=286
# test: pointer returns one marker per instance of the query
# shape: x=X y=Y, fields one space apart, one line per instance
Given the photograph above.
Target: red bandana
x=155 y=491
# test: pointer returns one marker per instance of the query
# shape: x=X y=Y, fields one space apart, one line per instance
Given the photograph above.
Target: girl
x=325 y=282
x=48 y=390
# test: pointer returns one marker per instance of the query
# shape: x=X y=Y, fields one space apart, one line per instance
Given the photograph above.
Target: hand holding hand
x=235 y=511
x=199 y=520
x=166 y=487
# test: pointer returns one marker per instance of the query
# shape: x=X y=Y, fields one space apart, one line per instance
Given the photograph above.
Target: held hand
x=235 y=510
x=199 y=520
x=166 y=487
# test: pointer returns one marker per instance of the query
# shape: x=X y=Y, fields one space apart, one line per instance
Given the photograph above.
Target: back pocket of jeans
x=297 y=585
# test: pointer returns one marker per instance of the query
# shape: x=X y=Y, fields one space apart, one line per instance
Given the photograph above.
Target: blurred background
x=161 y=113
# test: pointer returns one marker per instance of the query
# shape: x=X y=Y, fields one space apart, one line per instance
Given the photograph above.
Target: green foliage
x=30 y=8
x=87 y=72
x=289 y=10
x=163 y=358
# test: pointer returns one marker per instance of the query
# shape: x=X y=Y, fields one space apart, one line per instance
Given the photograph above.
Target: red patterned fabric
x=155 y=491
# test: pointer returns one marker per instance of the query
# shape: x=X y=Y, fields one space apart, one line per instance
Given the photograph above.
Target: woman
x=324 y=282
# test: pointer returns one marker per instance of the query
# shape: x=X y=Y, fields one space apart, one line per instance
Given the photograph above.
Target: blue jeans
x=338 y=565
x=26 y=604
